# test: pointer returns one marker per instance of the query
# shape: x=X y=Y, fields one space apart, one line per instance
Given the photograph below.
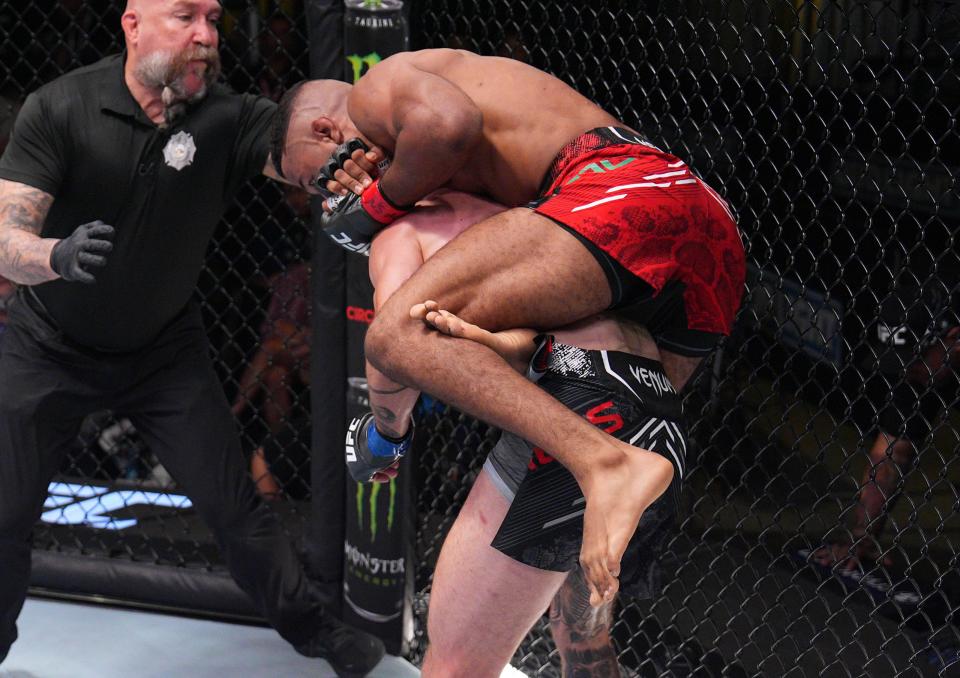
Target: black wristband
x=390 y=201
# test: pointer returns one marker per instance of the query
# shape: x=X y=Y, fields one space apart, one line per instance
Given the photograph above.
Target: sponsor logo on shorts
x=604 y=416
x=601 y=167
x=539 y=459
x=654 y=380
x=596 y=416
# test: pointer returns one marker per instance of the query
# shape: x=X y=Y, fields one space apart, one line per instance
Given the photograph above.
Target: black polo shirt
x=85 y=140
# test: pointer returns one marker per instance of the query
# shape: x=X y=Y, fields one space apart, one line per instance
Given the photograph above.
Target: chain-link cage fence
x=112 y=497
x=830 y=127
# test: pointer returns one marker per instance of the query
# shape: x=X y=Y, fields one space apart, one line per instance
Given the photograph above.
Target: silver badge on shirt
x=179 y=151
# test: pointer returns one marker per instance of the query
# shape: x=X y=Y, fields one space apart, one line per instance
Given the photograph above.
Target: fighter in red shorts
x=667 y=251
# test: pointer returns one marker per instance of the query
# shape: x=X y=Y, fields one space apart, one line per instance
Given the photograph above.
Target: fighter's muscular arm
x=394 y=256
x=434 y=124
x=24 y=255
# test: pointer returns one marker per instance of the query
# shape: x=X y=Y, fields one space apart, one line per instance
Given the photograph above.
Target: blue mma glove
x=369 y=451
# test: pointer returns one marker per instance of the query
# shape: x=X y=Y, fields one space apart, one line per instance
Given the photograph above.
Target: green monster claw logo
x=358 y=63
x=372 y=501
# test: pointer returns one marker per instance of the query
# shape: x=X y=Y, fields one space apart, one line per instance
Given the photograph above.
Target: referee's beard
x=181 y=81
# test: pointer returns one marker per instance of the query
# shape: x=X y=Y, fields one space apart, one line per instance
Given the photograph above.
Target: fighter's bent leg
x=582 y=632
x=519 y=269
x=482 y=602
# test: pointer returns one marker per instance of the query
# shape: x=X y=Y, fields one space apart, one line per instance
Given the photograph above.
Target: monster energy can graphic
x=373 y=30
x=378 y=547
x=377 y=559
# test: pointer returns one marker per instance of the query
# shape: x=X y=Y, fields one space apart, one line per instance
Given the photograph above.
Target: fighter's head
x=172 y=46
x=311 y=121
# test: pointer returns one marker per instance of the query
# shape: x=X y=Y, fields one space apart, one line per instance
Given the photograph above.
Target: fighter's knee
x=383 y=344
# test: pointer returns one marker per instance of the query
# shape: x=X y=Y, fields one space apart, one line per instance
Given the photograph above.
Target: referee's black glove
x=86 y=248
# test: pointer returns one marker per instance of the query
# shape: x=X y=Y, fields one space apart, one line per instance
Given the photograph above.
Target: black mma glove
x=369 y=451
x=340 y=155
x=355 y=219
x=86 y=248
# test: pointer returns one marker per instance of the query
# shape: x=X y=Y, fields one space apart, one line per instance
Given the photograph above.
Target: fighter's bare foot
x=618 y=490
x=514 y=346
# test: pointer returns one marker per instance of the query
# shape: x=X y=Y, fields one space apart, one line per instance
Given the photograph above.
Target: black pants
x=171 y=393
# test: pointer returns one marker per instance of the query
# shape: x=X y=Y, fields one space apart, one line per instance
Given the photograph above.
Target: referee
x=110 y=188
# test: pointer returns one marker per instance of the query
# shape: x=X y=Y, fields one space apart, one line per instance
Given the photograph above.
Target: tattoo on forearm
x=24 y=258
x=388 y=391
x=23 y=207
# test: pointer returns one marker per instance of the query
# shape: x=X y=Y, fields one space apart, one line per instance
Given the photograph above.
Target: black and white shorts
x=625 y=395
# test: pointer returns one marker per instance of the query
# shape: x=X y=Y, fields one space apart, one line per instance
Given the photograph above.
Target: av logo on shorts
x=601 y=167
x=179 y=151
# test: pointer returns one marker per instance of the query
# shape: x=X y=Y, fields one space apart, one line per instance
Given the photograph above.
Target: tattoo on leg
x=386 y=421
x=582 y=632
x=385 y=415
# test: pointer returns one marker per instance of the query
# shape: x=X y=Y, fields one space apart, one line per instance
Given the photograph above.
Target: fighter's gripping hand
x=355 y=219
x=369 y=453
x=77 y=256
x=352 y=167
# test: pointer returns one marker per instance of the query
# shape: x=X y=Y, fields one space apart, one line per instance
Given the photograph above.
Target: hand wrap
x=369 y=452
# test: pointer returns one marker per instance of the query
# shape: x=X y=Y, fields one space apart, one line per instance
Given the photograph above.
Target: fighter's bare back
x=524 y=116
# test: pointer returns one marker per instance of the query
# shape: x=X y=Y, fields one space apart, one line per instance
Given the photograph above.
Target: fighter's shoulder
x=433 y=61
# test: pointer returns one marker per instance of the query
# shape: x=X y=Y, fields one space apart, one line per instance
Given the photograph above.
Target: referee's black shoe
x=351 y=652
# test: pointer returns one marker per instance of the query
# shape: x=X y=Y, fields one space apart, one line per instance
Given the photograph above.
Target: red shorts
x=655 y=221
